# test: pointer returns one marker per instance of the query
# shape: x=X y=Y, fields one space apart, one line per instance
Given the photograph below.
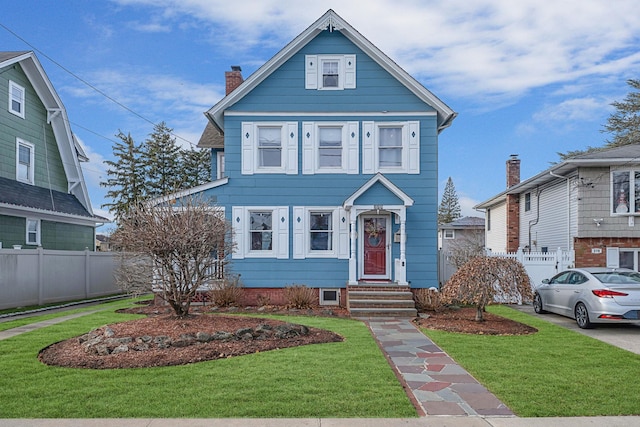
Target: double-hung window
x=320 y=232
x=33 y=232
x=625 y=192
x=391 y=147
x=261 y=231
x=261 y=226
x=330 y=72
x=24 y=161
x=16 y=99
x=269 y=147
x=330 y=147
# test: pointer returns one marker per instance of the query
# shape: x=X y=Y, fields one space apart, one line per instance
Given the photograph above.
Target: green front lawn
x=347 y=379
x=555 y=372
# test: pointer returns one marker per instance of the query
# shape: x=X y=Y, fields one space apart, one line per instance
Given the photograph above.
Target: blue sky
x=526 y=77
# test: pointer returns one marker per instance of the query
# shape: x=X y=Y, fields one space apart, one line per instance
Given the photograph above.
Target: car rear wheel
x=582 y=316
x=537 y=304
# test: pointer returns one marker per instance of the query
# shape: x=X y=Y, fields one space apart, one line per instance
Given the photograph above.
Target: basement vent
x=329 y=296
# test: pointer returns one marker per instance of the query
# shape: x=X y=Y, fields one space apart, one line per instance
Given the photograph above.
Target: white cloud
x=486 y=48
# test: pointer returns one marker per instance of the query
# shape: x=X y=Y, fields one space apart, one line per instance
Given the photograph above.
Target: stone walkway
x=436 y=384
x=37 y=325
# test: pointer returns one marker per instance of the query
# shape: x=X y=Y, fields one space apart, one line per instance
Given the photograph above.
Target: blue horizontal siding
x=376 y=92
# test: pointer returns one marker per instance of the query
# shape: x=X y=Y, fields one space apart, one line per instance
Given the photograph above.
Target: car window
x=616 y=277
x=577 y=278
x=561 y=278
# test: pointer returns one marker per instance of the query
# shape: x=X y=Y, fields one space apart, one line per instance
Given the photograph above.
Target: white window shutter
x=291 y=137
x=613 y=257
x=368 y=148
x=413 y=136
x=299 y=249
x=349 y=71
x=282 y=218
x=343 y=233
x=308 y=148
x=237 y=220
x=311 y=72
x=353 y=151
x=248 y=148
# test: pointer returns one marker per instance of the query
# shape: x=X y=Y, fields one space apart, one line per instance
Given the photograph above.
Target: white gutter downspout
x=568 y=208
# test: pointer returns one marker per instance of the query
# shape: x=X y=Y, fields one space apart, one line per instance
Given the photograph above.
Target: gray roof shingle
x=20 y=194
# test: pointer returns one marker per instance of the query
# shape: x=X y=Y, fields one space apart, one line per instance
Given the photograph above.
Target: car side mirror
x=545 y=281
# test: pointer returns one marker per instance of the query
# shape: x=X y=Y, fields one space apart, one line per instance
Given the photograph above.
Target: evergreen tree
x=449 y=209
x=161 y=157
x=126 y=180
x=624 y=123
x=196 y=167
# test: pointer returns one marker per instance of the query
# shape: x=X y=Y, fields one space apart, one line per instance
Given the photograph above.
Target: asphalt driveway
x=625 y=336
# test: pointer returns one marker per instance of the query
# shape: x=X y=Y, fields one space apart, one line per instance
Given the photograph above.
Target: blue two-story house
x=325 y=161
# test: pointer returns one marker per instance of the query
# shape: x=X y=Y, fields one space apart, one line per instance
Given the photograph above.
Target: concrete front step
x=381 y=303
x=383 y=312
x=366 y=295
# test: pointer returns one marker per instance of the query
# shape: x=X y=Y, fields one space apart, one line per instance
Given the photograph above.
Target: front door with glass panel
x=375 y=247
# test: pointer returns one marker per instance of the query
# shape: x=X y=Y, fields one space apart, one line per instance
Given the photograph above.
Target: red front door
x=375 y=247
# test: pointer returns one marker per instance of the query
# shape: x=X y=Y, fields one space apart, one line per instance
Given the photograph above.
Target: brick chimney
x=513 y=204
x=513 y=170
x=233 y=78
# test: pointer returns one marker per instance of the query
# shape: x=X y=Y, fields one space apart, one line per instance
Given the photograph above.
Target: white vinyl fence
x=39 y=276
x=539 y=265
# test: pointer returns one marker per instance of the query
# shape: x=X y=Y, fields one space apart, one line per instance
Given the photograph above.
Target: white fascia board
x=60 y=125
x=22 y=211
x=188 y=192
x=331 y=19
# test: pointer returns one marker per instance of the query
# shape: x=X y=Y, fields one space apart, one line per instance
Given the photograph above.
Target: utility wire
x=115 y=101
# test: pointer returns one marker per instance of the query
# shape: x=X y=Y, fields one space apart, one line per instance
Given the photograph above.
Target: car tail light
x=606 y=293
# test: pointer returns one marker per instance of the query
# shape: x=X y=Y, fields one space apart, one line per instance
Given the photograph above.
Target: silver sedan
x=591 y=295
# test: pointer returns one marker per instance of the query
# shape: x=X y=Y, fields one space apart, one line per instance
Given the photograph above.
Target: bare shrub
x=300 y=296
x=187 y=244
x=427 y=299
x=227 y=292
x=263 y=300
x=484 y=279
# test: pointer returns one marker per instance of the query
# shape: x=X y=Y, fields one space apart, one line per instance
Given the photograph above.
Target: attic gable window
x=16 y=99
x=330 y=72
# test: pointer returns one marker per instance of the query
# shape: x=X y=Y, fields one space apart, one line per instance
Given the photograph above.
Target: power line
x=115 y=101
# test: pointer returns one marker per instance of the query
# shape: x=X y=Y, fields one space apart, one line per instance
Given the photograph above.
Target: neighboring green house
x=43 y=197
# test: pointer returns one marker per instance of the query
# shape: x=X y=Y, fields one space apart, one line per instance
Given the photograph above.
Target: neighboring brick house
x=325 y=161
x=43 y=197
x=587 y=204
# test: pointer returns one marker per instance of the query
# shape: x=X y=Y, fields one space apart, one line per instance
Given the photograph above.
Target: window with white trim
x=220 y=165
x=330 y=72
x=625 y=192
x=330 y=147
x=329 y=296
x=261 y=231
x=391 y=147
x=24 y=161
x=449 y=234
x=320 y=232
x=33 y=232
x=16 y=99
x=269 y=147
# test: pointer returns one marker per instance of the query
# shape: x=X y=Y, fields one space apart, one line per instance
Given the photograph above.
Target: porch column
x=352 y=250
x=401 y=268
